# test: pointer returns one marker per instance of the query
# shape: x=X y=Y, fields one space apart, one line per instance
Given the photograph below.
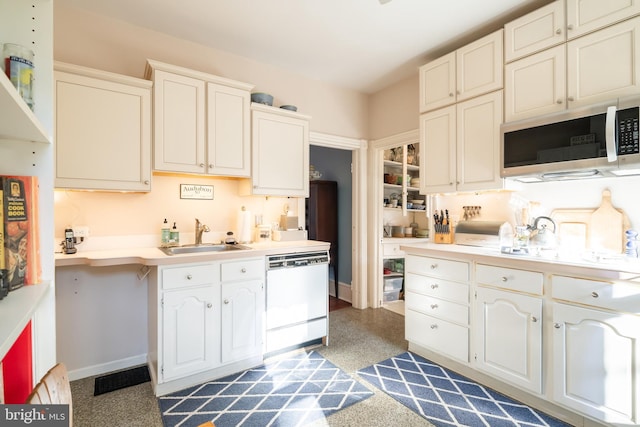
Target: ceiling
x=363 y=45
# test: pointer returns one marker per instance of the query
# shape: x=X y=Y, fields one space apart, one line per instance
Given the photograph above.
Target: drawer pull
x=226 y=301
x=434 y=326
x=558 y=31
x=434 y=306
x=434 y=286
x=504 y=278
x=534 y=319
x=594 y=294
x=434 y=266
x=243 y=270
x=556 y=325
x=189 y=277
x=209 y=305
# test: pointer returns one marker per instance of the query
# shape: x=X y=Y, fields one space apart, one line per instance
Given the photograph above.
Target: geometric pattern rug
x=286 y=392
x=445 y=398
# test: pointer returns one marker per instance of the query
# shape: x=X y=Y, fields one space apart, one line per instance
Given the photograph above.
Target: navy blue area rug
x=445 y=398
x=292 y=391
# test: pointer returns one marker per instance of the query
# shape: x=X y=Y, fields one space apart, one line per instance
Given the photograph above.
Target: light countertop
x=153 y=256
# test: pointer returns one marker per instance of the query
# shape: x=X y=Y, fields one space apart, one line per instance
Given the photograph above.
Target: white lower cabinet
x=596 y=352
x=189 y=326
x=508 y=337
x=436 y=309
x=243 y=305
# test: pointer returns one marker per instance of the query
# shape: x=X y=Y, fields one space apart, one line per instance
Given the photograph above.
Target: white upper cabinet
x=538 y=30
x=535 y=85
x=604 y=65
x=460 y=146
x=584 y=16
x=280 y=153
x=103 y=130
x=201 y=122
x=470 y=71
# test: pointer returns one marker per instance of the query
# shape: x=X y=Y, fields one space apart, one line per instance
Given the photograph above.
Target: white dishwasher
x=297 y=305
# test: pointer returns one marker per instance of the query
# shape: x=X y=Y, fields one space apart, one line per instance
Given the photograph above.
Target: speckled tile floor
x=357 y=339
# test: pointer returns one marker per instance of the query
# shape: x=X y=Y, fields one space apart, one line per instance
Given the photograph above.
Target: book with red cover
x=21 y=239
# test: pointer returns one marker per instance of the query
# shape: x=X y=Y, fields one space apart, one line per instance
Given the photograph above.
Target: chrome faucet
x=200 y=228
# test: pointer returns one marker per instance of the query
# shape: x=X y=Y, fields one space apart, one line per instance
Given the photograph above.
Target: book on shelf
x=20 y=231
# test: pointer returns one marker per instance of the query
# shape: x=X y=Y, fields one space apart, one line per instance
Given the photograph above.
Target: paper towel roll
x=244 y=226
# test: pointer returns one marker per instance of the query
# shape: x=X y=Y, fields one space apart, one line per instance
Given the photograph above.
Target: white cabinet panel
x=508 y=337
x=436 y=287
x=534 y=31
x=479 y=66
x=510 y=278
x=242 y=328
x=584 y=16
x=438 y=335
x=438 y=83
x=596 y=355
x=438 y=267
x=438 y=150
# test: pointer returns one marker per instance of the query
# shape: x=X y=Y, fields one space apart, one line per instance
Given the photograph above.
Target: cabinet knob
x=594 y=294
x=209 y=305
x=559 y=31
x=226 y=301
x=534 y=319
x=434 y=266
x=556 y=325
x=434 y=326
x=434 y=306
x=559 y=101
x=201 y=165
x=571 y=99
x=210 y=166
x=146 y=182
x=451 y=94
x=243 y=270
x=570 y=27
x=189 y=277
x=504 y=278
x=434 y=286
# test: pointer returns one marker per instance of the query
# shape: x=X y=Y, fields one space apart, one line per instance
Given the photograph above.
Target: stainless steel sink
x=205 y=247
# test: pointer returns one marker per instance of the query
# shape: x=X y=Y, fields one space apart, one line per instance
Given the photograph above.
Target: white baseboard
x=344 y=290
x=104 y=368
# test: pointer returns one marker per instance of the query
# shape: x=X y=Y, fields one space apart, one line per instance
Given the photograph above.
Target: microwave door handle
x=610 y=134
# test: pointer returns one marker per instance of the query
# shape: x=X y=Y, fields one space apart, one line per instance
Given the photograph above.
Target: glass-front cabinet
x=402 y=180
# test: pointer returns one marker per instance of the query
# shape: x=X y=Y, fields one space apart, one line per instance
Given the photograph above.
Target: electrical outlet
x=80 y=231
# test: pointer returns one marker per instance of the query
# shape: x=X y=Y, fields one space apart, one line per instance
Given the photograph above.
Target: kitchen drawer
x=392 y=250
x=439 y=308
x=242 y=270
x=530 y=282
x=619 y=296
x=438 y=267
x=438 y=335
x=189 y=275
x=439 y=288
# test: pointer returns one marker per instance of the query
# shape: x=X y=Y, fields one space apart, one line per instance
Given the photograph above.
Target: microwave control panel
x=628 y=134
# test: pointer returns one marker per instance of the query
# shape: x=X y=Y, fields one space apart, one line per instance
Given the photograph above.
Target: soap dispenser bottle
x=174 y=236
x=164 y=234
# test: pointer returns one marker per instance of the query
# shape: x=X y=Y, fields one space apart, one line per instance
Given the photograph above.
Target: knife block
x=444 y=237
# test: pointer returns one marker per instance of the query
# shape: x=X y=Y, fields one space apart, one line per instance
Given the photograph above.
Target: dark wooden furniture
x=322 y=219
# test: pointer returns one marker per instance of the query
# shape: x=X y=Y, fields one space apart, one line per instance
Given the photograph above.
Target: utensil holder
x=443 y=234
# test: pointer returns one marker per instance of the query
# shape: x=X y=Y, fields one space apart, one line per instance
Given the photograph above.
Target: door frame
x=358 y=148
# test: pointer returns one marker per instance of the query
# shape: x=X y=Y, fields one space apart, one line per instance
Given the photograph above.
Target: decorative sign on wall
x=196 y=191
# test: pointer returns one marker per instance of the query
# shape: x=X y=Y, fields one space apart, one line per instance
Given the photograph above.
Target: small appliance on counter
x=479 y=233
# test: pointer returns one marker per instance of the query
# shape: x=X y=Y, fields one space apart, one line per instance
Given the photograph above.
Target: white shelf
x=17 y=121
x=16 y=310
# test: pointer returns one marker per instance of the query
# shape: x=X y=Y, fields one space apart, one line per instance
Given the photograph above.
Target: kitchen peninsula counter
x=152 y=256
x=618 y=268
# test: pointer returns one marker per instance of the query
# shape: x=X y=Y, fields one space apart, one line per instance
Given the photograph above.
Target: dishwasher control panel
x=297 y=260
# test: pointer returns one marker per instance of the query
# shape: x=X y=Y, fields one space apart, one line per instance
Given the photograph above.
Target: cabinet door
x=584 y=16
x=438 y=83
x=596 y=356
x=479 y=66
x=478 y=143
x=508 y=337
x=179 y=123
x=534 y=31
x=242 y=326
x=535 y=85
x=228 y=131
x=604 y=65
x=280 y=155
x=189 y=332
x=438 y=150
x=103 y=133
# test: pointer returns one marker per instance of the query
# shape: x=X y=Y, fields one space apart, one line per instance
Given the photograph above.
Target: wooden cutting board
x=600 y=229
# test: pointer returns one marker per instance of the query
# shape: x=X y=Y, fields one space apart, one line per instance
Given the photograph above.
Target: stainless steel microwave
x=598 y=141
